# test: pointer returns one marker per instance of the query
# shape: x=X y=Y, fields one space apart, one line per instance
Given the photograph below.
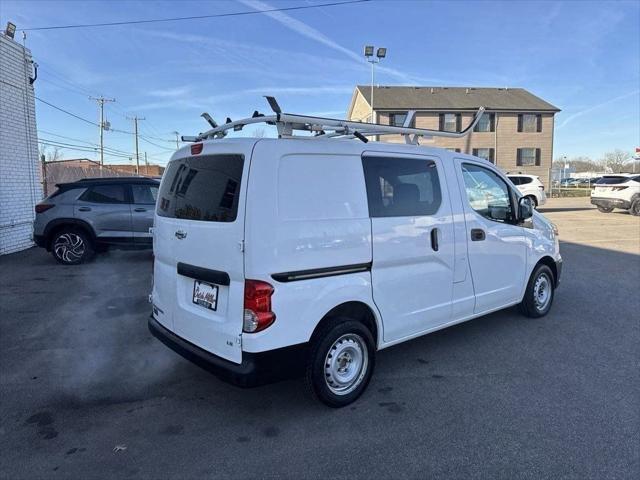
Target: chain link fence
x=65 y=171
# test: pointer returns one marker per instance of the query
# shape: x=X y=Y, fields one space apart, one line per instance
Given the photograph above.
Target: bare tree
x=258 y=132
x=50 y=154
x=617 y=161
x=579 y=164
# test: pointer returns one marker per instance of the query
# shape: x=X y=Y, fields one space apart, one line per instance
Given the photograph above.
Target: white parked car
x=617 y=191
x=284 y=256
x=530 y=186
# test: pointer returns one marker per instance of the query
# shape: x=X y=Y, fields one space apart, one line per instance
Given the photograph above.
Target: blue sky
x=583 y=57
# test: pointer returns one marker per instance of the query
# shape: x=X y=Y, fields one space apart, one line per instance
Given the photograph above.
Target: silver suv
x=93 y=214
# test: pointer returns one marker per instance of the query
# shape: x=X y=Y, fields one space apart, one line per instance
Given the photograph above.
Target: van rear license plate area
x=205 y=294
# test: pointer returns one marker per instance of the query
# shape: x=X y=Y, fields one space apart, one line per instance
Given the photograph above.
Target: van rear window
x=205 y=188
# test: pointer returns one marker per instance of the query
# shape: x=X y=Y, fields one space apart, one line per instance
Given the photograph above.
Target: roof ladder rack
x=287 y=124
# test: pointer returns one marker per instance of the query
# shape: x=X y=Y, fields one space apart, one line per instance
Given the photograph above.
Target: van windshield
x=205 y=188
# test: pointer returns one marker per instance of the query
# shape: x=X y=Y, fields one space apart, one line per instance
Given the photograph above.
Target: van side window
x=488 y=194
x=401 y=187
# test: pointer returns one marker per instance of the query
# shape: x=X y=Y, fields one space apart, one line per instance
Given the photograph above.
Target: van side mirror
x=525 y=208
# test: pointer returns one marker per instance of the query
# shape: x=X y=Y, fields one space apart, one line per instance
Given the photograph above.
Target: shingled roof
x=453 y=98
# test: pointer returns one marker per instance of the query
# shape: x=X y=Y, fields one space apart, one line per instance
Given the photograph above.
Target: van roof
x=332 y=146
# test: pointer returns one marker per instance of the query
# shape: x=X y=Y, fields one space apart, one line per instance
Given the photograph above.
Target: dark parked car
x=94 y=214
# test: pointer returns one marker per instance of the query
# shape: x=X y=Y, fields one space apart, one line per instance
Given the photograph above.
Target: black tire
x=534 y=200
x=635 y=207
x=71 y=246
x=539 y=294
x=605 y=209
x=339 y=339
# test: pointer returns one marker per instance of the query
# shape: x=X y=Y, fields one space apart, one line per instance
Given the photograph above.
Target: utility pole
x=177 y=139
x=135 y=132
x=146 y=164
x=103 y=125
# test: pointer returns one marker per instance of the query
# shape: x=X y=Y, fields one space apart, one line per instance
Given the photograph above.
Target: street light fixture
x=380 y=54
x=10 y=31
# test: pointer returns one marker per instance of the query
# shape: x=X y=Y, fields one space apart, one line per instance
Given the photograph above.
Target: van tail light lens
x=196 y=148
x=257 y=306
x=43 y=207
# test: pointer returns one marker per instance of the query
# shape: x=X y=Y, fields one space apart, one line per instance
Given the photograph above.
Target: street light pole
x=381 y=53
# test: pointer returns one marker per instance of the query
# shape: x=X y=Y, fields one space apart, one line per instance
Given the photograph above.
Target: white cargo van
x=307 y=254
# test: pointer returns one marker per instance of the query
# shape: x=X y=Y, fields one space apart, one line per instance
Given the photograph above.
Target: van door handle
x=181 y=234
x=477 y=235
x=139 y=209
x=434 y=239
x=84 y=209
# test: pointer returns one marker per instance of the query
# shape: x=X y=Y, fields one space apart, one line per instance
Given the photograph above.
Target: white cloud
x=169 y=92
x=580 y=113
x=314 y=34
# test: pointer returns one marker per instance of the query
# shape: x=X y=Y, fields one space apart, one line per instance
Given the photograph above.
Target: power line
x=106 y=149
x=156 y=145
x=197 y=17
x=67 y=112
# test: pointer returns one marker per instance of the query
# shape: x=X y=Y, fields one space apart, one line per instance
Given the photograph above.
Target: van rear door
x=198 y=239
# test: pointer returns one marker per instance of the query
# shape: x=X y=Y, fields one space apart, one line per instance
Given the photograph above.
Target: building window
x=529 y=123
x=486 y=153
x=450 y=122
x=528 y=157
x=486 y=123
x=397 y=119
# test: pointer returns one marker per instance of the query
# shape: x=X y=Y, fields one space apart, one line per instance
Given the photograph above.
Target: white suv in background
x=530 y=186
x=617 y=191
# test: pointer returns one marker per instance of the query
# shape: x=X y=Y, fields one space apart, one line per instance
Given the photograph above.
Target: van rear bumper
x=255 y=369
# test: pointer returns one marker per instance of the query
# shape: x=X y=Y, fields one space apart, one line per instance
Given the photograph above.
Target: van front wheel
x=341 y=361
x=539 y=294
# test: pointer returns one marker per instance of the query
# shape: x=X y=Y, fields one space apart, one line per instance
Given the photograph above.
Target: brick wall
x=20 y=187
x=505 y=140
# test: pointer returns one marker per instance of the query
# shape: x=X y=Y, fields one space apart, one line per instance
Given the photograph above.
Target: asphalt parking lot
x=86 y=392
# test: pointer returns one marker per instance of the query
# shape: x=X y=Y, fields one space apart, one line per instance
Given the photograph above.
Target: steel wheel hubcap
x=542 y=292
x=69 y=247
x=346 y=363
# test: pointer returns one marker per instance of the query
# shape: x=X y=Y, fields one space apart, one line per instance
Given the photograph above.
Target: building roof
x=452 y=98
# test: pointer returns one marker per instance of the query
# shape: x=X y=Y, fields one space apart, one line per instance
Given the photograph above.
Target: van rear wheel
x=539 y=294
x=341 y=362
x=605 y=209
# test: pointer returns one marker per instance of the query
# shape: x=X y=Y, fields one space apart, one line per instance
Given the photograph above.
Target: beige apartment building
x=515 y=132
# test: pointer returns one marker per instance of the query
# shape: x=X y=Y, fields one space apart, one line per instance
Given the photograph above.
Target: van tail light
x=615 y=189
x=257 y=306
x=43 y=207
x=196 y=148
